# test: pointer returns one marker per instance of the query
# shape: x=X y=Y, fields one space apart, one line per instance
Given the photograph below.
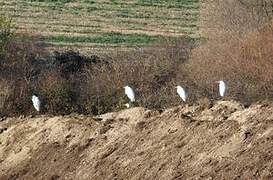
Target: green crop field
x=103 y=23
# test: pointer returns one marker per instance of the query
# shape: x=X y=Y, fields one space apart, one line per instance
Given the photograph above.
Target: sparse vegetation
x=153 y=46
x=66 y=23
x=238 y=50
x=70 y=82
x=5 y=29
x=6 y=33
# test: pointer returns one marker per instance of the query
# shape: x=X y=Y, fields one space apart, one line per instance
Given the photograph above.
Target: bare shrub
x=52 y=90
x=150 y=72
x=16 y=70
x=5 y=92
x=222 y=19
x=238 y=51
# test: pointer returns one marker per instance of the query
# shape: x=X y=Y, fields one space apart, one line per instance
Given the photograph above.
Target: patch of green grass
x=107 y=38
x=92 y=21
x=169 y=3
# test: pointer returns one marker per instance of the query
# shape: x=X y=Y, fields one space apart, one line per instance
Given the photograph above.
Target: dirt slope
x=225 y=141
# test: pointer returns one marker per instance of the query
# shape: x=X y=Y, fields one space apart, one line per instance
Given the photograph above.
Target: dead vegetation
x=237 y=49
x=69 y=82
x=206 y=140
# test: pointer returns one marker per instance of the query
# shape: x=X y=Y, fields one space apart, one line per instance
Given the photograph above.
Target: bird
x=130 y=93
x=182 y=93
x=222 y=88
x=36 y=102
x=127 y=105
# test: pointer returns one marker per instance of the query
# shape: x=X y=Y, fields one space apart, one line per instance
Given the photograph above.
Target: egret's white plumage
x=182 y=93
x=222 y=88
x=130 y=93
x=36 y=103
x=127 y=105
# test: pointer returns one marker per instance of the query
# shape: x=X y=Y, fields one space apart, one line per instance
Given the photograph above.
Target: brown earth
x=221 y=141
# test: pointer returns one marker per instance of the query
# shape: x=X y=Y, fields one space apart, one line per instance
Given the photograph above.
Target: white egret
x=182 y=93
x=130 y=93
x=36 y=102
x=222 y=88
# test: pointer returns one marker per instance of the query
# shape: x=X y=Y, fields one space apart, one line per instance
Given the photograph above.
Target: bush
x=6 y=32
x=16 y=69
x=68 y=82
x=149 y=72
x=238 y=50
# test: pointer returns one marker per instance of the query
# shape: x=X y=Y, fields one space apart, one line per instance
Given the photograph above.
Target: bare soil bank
x=222 y=141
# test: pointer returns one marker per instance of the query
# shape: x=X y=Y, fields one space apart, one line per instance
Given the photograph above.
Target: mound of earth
x=223 y=141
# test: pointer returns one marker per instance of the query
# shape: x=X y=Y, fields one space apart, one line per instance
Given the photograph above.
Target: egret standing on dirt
x=182 y=93
x=36 y=102
x=130 y=94
x=222 y=88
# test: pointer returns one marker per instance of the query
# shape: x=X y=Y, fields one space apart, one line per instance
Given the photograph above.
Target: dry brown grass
x=222 y=20
x=151 y=73
x=5 y=90
x=15 y=74
x=238 y=51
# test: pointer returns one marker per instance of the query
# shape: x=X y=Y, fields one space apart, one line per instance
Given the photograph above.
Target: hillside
x=221 y=141
x=92 y=24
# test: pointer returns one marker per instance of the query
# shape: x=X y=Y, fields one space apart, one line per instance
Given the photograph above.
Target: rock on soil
x=224 y=141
